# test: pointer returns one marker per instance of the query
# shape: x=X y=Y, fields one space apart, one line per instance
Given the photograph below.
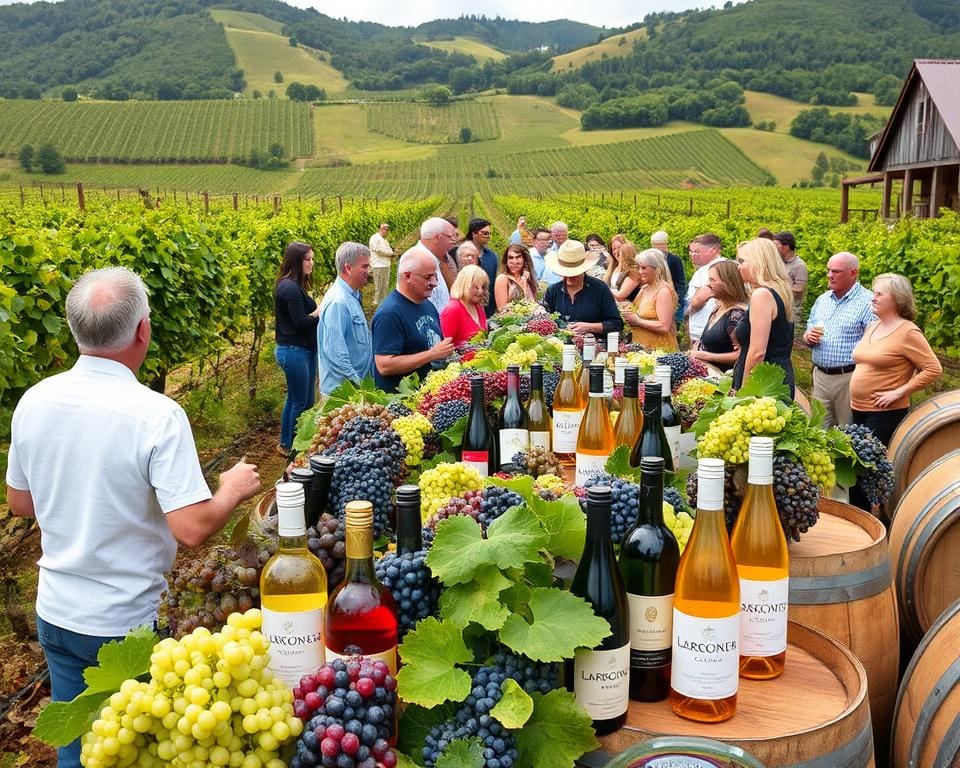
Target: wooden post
x=621 y=196
x=323 y=206
x=906 y=199
x=728 y=207
x=22 y=200
x=206 y=202
x=601 y=198
x=690 y=213
x=276 y=203
x=935 y=200
x=885 y=199
x=844 y=203
x=340 y=203
x=44 y=199
x=234 y=201
x=634 y=199
x=81 y=202
x=63 y=193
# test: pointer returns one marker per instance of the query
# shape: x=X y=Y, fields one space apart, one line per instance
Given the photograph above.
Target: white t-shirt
x=380 y=251
x=104 y=459
x=700 y=279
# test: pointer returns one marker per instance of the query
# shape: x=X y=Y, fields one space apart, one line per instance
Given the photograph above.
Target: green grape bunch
x=441 y=483
x=728 y=437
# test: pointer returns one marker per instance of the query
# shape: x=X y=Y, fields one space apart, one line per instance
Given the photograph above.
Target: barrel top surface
x=822 y=683
x=840 y=529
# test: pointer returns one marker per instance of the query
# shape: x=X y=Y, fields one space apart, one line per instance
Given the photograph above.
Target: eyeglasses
x=429 y=277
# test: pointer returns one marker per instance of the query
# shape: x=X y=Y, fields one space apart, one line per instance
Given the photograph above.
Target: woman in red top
x=463 y=317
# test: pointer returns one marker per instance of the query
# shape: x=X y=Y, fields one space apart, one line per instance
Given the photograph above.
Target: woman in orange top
x=651 y=315
x=893 y=359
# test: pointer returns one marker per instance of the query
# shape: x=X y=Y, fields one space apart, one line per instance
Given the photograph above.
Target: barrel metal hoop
x=909 y=577
x=950 y=745
x=841 y=588
x=898 y=468
x=945 y=684
x=855 y=753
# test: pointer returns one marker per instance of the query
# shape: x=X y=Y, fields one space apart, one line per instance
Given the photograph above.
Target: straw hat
x=571 y=259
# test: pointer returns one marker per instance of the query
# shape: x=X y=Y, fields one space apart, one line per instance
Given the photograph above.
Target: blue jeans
x=68 y=654
x=299 y=365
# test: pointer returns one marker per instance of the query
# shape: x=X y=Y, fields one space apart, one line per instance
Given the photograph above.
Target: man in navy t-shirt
x=406 y=326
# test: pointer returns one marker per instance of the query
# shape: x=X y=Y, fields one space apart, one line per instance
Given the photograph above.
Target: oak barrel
x=925 y=545
x=841 y=583
x=815 y=715
x=930 y=431
x=926 y=720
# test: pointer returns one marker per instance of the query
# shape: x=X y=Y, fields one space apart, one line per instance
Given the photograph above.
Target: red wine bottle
x=361 y=612
x=478 y=448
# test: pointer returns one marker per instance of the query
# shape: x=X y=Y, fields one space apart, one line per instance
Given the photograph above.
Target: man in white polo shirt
x=704 y=253
x=110 y=471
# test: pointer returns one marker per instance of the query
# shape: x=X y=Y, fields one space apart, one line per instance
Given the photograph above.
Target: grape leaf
x=557 y=733
x=459 y=548
x=405 y=761
x=415 y=724
x=562 y=520
x=121 y=660
x=619 y=464
x=846 y=474
x=452 y=437
x=477 y=600
x=514 y=707
x=430 y=653
x=60 y=722
x=462 y=753
x=765 y=380
x=562 y=622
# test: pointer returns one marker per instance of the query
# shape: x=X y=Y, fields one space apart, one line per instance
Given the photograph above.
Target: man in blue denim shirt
x=344 y=346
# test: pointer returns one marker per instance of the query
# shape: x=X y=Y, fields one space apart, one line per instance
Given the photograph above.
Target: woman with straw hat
x=583 y=301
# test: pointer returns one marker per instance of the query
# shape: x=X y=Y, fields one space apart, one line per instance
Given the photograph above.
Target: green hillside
x=138 y=132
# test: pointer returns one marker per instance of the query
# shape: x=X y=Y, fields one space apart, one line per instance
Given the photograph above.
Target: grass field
x=157 y=131
x=789 y=159
x=766 y=106
x=612 y=47
x=341 y=136
x=261 y=49
x=469 y=46
x=428 y=124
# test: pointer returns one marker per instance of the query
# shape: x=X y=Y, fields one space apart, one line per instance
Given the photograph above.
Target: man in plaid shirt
x=837 y=321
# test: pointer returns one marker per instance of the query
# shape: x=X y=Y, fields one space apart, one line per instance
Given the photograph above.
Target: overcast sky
x=600 y=13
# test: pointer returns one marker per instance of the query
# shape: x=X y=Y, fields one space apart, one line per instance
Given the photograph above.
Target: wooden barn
x=917 y=155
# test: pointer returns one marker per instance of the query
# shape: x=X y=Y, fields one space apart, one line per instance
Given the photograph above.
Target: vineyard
x=693 y=159
x=210 y=277
x=157 y=132
x=427 y=124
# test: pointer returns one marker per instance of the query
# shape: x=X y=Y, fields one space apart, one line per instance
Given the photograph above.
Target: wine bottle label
x=651 y=629
x=478 y=460
x=589 y=466
x=673 y=440
x=763 y=617
x=512 y=441
x=296 y=643
x=388 y=657
x=706 y=656
x=540 y=440
x=566 y=426
x=601 y=681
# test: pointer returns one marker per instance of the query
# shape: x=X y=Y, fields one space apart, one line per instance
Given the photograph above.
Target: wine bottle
x=630 y=421
x=649 y=556
x=567 y=410
x=595 y=438
x=599 y=676
x=303 y=476
x=322 y=467
x=706 y=611
x=619 y=376
x=514 y=434
x=293 y=593
x=653 y=440
x=669 y=416
x=763 y=564
x=361 y=612
x=409 y=523
x=589 y=357
x=478 y=448
x=538 y=415
x=613 y=351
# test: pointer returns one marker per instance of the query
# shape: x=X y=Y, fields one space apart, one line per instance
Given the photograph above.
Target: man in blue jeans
x=110 y=471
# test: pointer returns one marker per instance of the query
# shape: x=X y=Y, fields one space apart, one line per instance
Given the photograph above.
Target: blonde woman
x=651 y=316
x=765 y=334
x=893 y=359
x=625 y=282
x=464 y=316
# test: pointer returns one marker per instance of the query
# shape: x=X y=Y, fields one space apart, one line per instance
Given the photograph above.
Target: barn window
x=922 y=109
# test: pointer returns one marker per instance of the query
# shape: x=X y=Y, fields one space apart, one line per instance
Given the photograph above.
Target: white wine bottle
x=704 y=678
x=538 y=415
x=514 y=434
x=668 y=414
x=293 y=593
x=763 y=564
x=567 y=410
x=595 y=440
x=599 y=677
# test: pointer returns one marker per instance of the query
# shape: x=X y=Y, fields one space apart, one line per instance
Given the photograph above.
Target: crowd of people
x=733 y=313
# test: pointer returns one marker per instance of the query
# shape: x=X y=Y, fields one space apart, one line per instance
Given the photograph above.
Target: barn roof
x=940 y=76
